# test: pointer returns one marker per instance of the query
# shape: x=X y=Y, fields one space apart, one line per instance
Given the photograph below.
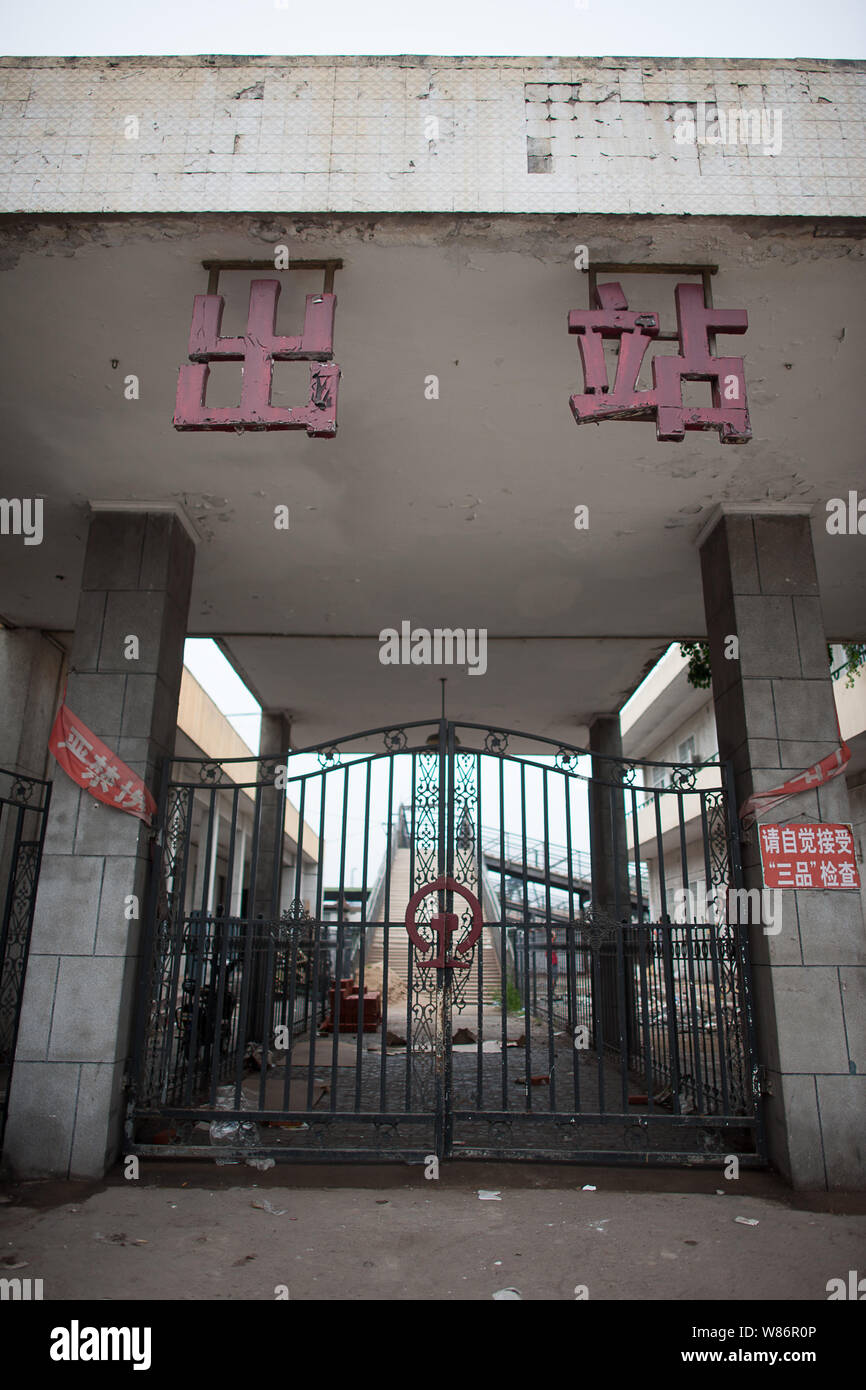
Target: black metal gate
x=23 y=815
x=446 y=940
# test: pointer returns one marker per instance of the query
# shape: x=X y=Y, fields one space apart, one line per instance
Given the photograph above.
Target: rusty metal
x=215 y=268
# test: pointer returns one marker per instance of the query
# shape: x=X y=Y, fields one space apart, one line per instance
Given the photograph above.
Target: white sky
x=218 y=677
x=682 y=28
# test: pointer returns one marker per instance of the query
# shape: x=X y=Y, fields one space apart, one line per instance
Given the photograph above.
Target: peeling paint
x=547 y=237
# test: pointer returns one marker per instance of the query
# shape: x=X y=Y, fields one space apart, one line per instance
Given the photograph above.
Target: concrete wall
x=361 y=134
x=701 y=727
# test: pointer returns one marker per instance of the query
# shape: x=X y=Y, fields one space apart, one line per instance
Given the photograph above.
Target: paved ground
x=199 y=1232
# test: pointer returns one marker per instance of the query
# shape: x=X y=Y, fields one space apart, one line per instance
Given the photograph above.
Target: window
x=686 y=751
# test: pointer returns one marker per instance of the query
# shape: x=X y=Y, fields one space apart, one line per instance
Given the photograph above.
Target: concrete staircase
x=399 y=944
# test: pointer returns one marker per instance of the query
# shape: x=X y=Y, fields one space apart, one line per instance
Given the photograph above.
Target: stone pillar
x=212 y=905
x=32 y=668
x=67 y=1097
x=275 y=741
x=775 y=715
x=610 y=883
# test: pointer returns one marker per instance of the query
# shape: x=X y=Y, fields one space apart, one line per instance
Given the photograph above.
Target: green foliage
x=855 y=653
x=513 y=998
x=698 y=656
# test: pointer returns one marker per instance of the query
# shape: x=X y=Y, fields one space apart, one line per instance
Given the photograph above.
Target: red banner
x=808 y=856
x=831 y=766
x=95 y=768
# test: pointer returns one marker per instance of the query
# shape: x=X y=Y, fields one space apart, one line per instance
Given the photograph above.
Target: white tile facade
x=426 y=135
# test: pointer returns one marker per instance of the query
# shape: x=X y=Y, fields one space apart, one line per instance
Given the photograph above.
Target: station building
x=567 y=353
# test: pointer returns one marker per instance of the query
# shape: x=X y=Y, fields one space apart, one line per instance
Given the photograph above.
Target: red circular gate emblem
x=444 y=924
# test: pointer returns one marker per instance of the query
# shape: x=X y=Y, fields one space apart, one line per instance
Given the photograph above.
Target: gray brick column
x=66 y=1102
x=610 y=885
x=32 y=667
x=775 y=716
x=275 y=740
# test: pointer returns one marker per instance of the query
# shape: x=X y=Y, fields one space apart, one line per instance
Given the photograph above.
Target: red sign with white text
x=95 y=768
x=808 y=856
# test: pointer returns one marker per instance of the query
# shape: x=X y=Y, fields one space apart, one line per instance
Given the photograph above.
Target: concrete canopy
x=455 y=512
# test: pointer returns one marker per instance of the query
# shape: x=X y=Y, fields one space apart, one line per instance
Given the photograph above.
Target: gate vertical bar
x=752 y=1069
x=18 y=868
x=147 y=951
x=448 y=832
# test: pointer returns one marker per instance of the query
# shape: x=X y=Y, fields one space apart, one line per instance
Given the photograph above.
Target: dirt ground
x=198 y=1232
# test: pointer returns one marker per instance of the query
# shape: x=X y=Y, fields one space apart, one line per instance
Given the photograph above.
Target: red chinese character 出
x=259 y=349
x=664 y=402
